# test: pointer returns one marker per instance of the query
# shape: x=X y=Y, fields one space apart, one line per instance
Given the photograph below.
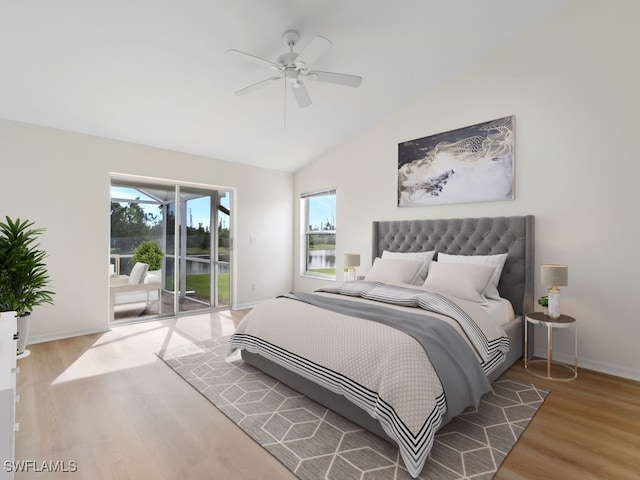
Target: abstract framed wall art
x=470 y=164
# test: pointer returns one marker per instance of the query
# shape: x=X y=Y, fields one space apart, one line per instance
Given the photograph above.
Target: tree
x=223 y=236
x=130 y=225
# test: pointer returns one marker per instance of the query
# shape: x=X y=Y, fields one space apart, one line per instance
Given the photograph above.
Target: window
x=319 y=233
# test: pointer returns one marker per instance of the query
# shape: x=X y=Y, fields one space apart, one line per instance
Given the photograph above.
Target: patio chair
x=134 y=282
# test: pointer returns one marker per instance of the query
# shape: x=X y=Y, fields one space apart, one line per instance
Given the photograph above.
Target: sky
x=321 y=209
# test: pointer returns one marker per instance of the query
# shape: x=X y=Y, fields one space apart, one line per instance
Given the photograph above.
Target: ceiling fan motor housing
x=287 y=59
x=291 y=76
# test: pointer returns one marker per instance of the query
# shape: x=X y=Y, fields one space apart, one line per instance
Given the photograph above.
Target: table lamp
x=351 y=260
x=554 y=276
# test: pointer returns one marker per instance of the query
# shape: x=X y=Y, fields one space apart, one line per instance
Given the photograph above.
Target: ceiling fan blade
x=301 y=94
x=254 y=59
x=317 y=47
x=337 y=78
x=256 y=86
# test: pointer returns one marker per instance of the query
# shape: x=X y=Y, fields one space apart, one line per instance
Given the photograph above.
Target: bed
x=364 y=380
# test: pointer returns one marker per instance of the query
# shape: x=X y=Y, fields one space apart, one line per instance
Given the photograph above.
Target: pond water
x=321 y=259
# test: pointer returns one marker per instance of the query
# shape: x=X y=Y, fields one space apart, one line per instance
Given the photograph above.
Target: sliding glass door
x=191 y=226
x=204 y=249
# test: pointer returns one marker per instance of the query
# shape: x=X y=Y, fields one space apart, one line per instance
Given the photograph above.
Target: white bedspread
x=380 y=369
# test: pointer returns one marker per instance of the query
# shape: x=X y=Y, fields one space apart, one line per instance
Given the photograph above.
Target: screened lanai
x=191 y=226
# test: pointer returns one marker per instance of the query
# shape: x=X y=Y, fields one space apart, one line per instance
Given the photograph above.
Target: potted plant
x=23 y=274
x=150 y=253
x=544 y=303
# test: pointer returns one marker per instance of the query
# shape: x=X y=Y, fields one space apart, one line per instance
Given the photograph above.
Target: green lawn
x=327 y=271
x=201 y=285
x=322 y=246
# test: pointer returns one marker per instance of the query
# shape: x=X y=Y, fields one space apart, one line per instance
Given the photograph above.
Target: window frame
x=306 y=232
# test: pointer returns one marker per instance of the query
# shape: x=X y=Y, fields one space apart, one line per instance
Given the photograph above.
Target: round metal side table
x=564 y=321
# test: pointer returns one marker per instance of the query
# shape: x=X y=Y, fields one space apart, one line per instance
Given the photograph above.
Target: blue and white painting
x=470 y=164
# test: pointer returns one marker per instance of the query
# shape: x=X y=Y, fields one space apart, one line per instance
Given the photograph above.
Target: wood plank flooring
x=107 y=402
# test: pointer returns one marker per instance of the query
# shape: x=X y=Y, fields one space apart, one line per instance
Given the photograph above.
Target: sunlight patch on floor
x=227 y=326
x=127 y=347
x=117 y=350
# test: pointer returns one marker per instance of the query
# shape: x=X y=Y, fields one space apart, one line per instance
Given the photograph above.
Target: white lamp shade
x=351 y=260
x=554 y=275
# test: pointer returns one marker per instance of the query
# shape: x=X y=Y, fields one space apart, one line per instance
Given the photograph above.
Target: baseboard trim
x=66 y=334
x=601 y=367
x=244 y=306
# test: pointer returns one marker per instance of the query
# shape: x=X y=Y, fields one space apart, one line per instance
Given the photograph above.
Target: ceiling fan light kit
x=294 y=67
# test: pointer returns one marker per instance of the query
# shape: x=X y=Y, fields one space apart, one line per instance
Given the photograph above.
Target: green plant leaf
x=150 y=253
x=23 y=274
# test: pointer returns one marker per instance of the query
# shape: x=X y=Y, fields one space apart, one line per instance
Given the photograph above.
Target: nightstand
x=564 y=321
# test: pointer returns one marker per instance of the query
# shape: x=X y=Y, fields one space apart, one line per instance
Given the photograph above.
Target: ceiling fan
x=294 y=67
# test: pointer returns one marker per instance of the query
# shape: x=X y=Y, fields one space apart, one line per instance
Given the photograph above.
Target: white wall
x=572 y=85
x=60 y=180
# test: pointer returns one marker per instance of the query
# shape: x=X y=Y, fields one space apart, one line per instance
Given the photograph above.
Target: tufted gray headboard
x=470 y=236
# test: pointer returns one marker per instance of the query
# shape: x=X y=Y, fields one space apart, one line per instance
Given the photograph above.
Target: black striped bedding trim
x=491 y=364
x=414 y=449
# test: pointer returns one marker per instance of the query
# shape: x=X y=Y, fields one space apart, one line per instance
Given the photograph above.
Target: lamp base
x=351 y=274
x=554 y=302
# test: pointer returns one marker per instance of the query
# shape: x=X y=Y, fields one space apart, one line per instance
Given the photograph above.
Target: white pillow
x=467 y=281
x=424 y=257
x=392 y=270
x=138 y=272
x=497 y=260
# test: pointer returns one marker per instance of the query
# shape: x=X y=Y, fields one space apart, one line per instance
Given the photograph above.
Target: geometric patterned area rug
x=316 y=443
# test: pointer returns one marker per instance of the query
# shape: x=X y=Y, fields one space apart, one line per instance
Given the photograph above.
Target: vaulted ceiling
x=155 y=72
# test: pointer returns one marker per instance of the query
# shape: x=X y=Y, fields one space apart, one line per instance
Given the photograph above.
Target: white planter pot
x=153 y=276
x=24 y=324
